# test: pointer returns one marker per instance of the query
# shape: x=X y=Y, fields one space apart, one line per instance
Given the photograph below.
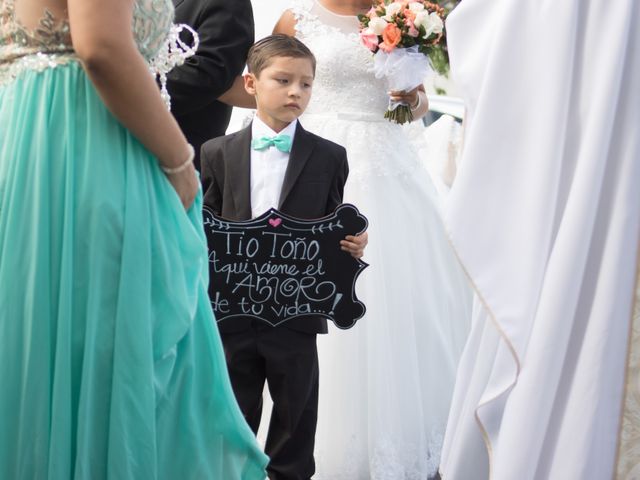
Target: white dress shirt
x=267 y=169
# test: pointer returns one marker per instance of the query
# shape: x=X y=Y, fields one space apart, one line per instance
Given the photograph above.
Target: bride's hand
x=408 y=97
x=186 y=185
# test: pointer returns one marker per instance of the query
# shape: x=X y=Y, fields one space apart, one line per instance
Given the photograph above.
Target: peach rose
x=391 y=36
x=385 y=47
x=409 y=14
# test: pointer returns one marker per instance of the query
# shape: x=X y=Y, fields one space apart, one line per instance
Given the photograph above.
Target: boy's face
x=282 y=90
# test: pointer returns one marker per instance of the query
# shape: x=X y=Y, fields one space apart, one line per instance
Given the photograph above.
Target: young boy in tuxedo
x=274 y=162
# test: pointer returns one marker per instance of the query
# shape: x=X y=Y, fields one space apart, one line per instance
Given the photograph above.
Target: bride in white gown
x=386 y=384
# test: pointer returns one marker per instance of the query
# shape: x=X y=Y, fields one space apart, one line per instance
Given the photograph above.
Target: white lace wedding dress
x=386 y=384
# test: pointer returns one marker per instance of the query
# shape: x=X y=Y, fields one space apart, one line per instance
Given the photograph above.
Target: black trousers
x=288 y=361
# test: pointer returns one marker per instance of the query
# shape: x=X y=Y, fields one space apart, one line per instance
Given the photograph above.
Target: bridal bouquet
x=407 y=40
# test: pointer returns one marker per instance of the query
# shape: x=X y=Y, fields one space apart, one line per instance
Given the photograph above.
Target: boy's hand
x=355 y=245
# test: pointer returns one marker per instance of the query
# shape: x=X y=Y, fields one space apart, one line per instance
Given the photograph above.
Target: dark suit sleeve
x=210 y=184
x=226 y=32
x=336 y=191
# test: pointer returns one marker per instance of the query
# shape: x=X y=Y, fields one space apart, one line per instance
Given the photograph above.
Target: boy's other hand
x=355 y=244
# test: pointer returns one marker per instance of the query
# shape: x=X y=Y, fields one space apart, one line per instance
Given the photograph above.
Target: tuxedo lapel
x=239 y=171
x=303 y=144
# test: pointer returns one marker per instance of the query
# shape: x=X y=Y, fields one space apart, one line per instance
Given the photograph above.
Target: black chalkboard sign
x=276 y=268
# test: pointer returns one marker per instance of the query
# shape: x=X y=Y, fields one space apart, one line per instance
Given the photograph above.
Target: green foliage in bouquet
x=439 y=56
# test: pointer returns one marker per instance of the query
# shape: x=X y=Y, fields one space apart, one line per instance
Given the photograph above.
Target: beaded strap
x=173 y=54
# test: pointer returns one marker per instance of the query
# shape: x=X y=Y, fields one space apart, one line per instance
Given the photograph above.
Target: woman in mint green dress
x=110 y=362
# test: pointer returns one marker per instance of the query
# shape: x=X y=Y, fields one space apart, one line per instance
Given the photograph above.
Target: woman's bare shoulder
x=286 y=24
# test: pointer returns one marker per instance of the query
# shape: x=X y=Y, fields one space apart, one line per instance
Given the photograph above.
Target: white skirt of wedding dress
x=386 y=384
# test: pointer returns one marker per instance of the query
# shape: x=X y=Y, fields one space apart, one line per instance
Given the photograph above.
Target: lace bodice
x=49 y=43
x=152 y=22
x=344 y=81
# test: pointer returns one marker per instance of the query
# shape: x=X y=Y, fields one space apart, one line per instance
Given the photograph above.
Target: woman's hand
x=408 y=97
x=186 y=185
x=416 y=99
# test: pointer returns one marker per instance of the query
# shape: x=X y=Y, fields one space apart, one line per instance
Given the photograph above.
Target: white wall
x=266 y=14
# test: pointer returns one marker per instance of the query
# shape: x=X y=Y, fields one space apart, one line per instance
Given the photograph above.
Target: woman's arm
x=237 y=96
x=103 y=40
x=286 y=24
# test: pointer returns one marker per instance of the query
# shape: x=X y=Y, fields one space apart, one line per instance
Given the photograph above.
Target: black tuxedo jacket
x=226 y=32
x=313 y=187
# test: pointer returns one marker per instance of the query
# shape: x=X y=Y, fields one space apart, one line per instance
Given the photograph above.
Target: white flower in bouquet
x=421 y=18
x=377 y=25
x=432 y=23
x=392 y=9
x=416 y=7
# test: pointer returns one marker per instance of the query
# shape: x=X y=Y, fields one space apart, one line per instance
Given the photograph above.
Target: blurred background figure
x=226 y=32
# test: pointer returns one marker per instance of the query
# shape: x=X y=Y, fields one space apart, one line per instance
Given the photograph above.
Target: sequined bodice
x=344 y=78
x=50 y=42
x=51 y=36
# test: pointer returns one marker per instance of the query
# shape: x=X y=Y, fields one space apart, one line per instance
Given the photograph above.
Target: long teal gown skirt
x=111 y=365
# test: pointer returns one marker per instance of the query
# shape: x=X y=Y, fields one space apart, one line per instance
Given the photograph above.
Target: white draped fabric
x=545 y=217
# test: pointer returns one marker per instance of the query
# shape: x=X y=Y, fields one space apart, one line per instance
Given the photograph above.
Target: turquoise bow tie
x=281 y=142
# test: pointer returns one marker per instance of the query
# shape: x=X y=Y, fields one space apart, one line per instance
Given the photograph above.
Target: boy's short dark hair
x=278 y=45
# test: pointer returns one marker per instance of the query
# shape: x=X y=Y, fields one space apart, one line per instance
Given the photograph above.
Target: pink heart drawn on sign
x=274 y=222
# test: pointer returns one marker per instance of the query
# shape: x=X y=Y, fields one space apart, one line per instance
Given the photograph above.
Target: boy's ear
x=250 y=83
